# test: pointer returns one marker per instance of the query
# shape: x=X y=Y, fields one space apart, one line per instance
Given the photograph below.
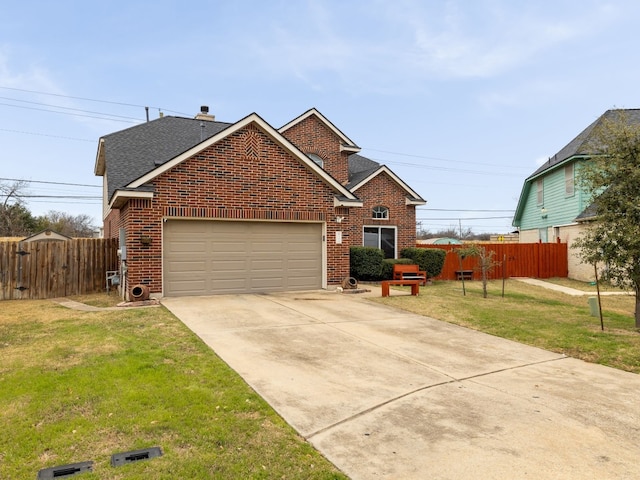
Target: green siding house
x=552 y=207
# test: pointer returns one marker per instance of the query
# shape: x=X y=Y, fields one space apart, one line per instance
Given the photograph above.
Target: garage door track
x=384 y=393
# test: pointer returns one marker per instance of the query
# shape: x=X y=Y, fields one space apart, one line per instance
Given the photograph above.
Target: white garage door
x=215 y=257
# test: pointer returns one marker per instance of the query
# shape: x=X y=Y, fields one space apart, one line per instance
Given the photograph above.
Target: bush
x=431 y=260
x=365 y=263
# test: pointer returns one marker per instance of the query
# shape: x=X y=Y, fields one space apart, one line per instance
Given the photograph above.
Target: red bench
x=409 y=272
x=415 y=286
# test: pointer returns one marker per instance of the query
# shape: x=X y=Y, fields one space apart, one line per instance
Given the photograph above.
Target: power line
x=47 y=135
x=68 y=197
x=65 y=108
x=50 y=183
x=462 y=218
x=90 y=99
x=443 y=159
x=461 y=210
x=69 y=113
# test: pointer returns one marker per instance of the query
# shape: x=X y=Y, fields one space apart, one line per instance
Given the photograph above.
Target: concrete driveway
x=388 y=394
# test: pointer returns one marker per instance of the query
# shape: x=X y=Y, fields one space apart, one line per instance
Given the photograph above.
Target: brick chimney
x=204 y=114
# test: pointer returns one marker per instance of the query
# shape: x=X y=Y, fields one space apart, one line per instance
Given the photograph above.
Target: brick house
x=207 y=207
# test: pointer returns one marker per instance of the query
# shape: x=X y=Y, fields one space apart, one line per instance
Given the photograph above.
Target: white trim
x=269 y=130
x=123 y=195
x=395 y=236
x=413 y=201
x=417 y=199
x=348 y=146
x=337 y=202
x=99 y=166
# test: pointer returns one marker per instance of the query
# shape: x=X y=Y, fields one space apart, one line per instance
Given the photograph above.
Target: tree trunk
x=637 y=306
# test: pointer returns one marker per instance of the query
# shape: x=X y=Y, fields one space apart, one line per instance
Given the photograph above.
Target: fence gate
x=50 y=269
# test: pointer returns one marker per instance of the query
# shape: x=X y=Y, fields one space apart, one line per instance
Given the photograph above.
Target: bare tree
x=67 y=224
x=15 y=219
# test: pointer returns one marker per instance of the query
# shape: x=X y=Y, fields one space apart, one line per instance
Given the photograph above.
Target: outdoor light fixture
x=543 y=211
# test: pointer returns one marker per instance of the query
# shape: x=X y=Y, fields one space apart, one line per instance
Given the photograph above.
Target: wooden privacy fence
x=537 y=260
x=49 y=269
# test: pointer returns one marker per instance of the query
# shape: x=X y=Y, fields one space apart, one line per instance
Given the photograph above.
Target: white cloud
x=392 y=45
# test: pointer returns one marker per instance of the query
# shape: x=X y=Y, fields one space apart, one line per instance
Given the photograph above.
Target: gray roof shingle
x=581 y=145
x=136 y=151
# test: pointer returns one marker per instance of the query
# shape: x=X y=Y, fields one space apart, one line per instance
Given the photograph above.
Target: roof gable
x=162 y=165
x=363 y=177
x=346 y=144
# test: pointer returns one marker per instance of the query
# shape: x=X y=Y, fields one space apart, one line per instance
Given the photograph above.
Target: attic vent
x=204 y=114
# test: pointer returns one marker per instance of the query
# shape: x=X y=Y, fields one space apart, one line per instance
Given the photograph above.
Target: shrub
x=365 y=263
x=431 y=260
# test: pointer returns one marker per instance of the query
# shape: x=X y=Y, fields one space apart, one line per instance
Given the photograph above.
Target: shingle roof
x=138 y=150
x=360 y=168
x=581 y=145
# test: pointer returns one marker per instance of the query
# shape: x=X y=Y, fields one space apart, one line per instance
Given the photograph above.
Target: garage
x=218 y=257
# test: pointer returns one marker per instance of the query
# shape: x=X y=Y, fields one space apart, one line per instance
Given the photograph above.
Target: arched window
x=380 y=212
x=316 y=159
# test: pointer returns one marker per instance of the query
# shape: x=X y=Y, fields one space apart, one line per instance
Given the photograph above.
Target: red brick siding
x=313 y=136
x=112 y=224
x=244 y=176
x=382 y=190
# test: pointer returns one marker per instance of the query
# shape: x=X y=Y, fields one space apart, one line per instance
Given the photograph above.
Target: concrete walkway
x=560 y=288
x=383 y=393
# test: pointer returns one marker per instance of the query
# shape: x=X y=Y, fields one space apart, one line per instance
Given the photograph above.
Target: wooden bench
x=415 y=286
x=464 y=274
x=409 y=272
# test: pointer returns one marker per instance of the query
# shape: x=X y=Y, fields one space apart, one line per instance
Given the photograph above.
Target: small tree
x=67 y=224
x=612 y=177
x=15 y=219
x=485 y=262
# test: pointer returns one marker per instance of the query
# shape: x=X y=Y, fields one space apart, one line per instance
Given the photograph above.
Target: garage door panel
x=214 y=257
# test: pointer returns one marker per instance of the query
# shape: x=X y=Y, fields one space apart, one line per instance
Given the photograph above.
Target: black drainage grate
x=64 y=471
x=118 y=459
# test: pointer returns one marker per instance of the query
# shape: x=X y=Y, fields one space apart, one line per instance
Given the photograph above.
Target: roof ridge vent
x=204 y=114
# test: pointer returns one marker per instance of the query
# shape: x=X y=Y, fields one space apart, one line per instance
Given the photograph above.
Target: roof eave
x=394 y=177
x=346 y=141
x=99 y=167
x=121 y=197
x=414 y=201
x=347 y=202
x=349 y=148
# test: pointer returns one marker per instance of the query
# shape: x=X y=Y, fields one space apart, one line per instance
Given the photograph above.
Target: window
x=569 y=182
x=380 y=213
x=316 y=159
x=540 y=187
x=381 y=237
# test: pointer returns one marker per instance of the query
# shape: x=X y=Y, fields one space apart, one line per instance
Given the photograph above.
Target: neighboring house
x=46 y=235
x=552 y=207
x=206 y=207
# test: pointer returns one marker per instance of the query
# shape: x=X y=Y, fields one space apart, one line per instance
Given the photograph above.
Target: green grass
x=536 y=316
x=77 y=386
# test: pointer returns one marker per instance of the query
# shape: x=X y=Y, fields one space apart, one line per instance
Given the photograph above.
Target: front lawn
x=535 y=316
x=78 y=386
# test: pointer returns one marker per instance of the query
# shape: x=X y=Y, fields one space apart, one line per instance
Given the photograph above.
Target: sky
x=461 y=99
